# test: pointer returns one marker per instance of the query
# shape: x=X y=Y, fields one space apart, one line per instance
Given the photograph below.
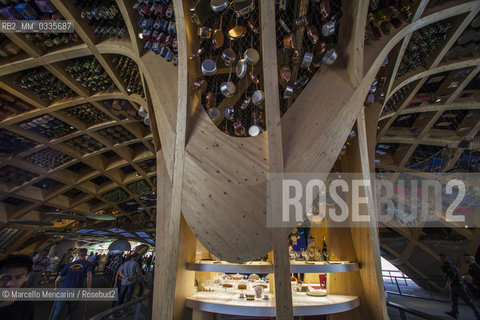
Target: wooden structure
x=211 y=187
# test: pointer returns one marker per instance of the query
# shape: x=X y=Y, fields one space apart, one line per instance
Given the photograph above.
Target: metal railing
x=138 y=309
x=402 y=280
x=406 y=310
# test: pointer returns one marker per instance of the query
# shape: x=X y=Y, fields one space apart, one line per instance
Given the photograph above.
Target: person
x=40 y=264
x=49 y=269
x=66 y=259
x=14 y=272
x=473 y=277
x=95 y=263
x=73 y=275
x=129 y=272
x=457 y=288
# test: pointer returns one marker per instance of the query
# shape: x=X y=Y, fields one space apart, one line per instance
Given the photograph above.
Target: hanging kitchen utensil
x=253 y=28
x=301 y=22
x=227 y=89
x=330 y=57
x=239 y=129
x=218 y=38
x=210 y=100
x=284 y=26
x=230 y=113
x=254 y=78
x=204 y=32
x=197 y=53
x=237 y=32
x=288 y=92
x=243 y=8
x=254 y=129
x=228 y=56
x=258 y=97
x=285 y=74
x=312 y=33
x=241 y=68
x=209 y=67
x=219 y=5
x=245 y=103
x=200 y=85
x=214 y=113
x=289 y=41
x=328 y=28
x=307 y=60
x=301 y=82
x=201 y=12
x=251 y=56
x=324 y=9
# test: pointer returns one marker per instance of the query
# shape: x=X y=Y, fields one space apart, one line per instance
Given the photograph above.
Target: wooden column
x=283 y=292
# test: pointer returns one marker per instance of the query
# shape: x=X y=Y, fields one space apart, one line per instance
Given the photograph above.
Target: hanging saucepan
x=237 y=32
x=330 y=56
x=251 y=56
x=328 y=28
x=209 y=67
x=243 y=8
x=301 y=82
x=307 y=60
x=466 y=37
x=219 y=5
x=239 y=129
x=258 y=97
x=214 y=113
x=301 y=22
x=241 y=68
x=230 y=113
x=288 y=92
x=227 y=89
x=228 y=56
x=254 y=129
x=245 y=103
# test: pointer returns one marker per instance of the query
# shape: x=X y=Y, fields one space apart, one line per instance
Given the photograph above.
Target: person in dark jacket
x=473 y=277
x=457 y=288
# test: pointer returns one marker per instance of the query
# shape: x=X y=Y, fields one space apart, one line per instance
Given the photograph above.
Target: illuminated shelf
x=261 y=267
x=303 y=305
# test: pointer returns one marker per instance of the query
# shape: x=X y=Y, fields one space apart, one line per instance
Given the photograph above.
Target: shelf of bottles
x=383 y=16
x=140 y=187
x=116 y=134
x=48 y=158
x=103 y=17
x=468 y=44
x=90 y=74
x=307 y=33
x=157 y=21
x=47 y=126
x=43 y=84
x=38 y=10
x=12 y=144
x=85 y=144
x=397 y=99
x=8 y=48
x=423 y=43
x=115 y=196
x=231 y=85
x=121 y=109
x=11 y=105
x=15 y=176
x=128 y=71
x=87 y=114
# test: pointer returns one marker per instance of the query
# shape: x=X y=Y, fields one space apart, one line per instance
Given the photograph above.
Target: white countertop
x=303 y=305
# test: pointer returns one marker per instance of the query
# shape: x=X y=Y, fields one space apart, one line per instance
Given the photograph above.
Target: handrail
x=105 y=313
x=404 y=309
